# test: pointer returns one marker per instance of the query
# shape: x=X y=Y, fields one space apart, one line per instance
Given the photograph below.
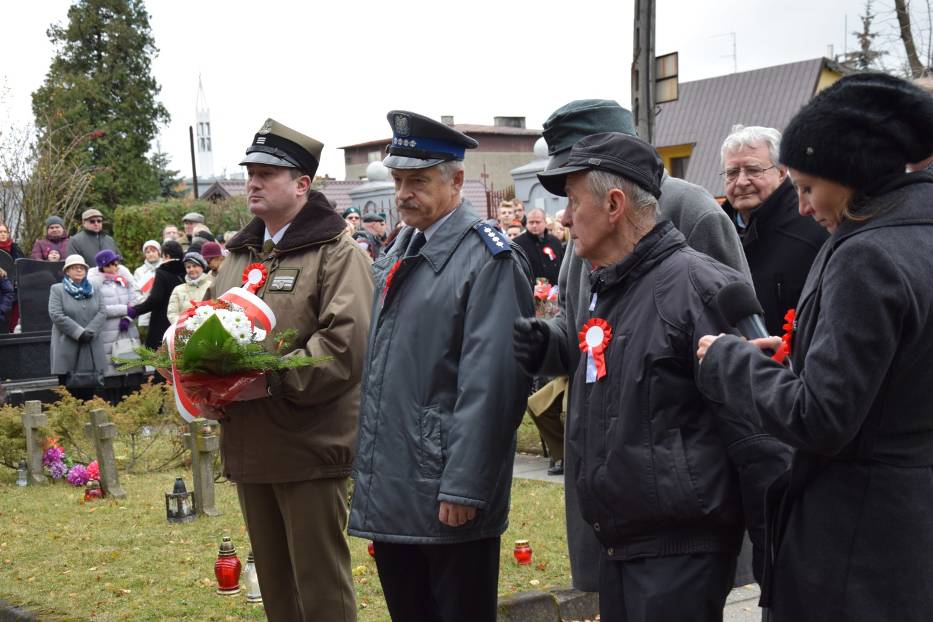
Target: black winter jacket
x=850 y=523
x=780 y=245
x=167 y=276
x=654 y=475
x=544 y=263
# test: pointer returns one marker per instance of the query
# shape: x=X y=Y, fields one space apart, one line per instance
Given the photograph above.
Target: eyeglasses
x=751 y=172
x=95 y=221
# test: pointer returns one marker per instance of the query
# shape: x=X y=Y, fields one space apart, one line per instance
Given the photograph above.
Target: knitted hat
x=210 y=250
x=860 y=131
x=196 y=258
x=54 y=220
x=105 y=257
x=153 y=244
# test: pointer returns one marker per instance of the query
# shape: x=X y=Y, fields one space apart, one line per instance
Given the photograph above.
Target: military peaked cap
x=277 y=145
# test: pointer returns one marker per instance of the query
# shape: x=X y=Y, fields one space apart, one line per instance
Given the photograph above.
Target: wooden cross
x=203 y=443
x=33 y=422
x=102 y=432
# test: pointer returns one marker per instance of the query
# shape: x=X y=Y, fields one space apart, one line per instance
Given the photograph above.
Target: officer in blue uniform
x=442 y=394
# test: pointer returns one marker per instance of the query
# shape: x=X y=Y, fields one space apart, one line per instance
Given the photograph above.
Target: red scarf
x=7 y=246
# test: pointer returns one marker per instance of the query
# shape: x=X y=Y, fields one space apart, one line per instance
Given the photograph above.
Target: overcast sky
x=332 y=69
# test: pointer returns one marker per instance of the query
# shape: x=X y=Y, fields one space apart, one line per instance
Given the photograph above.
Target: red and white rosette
x=256 y=310
x=254 y=276
x=594 y=339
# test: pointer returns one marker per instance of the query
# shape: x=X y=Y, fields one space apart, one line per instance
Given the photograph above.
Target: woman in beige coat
x=197 y=280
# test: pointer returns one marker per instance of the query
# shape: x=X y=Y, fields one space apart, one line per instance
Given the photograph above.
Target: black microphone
x=739 y=305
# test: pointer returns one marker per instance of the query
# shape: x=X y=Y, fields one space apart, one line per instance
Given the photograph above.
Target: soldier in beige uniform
x=289 y=442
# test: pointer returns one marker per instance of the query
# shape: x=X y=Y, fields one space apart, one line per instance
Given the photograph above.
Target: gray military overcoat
x=442 y=394
x=70 y=318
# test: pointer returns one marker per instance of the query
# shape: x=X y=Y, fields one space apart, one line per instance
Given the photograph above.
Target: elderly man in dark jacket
x=91 y=239
x=653 y=474
x=553 y=350
x=779 y=243
x=442 y=393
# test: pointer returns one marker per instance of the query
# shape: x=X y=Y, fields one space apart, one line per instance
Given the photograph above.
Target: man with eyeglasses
x=91 y=239
x=761 y=201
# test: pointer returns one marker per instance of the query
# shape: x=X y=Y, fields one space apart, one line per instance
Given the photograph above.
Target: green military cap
x=277 y=145
x=581 y=118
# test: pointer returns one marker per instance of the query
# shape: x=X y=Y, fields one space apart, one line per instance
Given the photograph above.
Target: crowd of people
x=101 y=309
x=682 y=433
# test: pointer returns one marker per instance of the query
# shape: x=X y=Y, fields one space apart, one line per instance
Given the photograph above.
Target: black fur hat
x=860 y=131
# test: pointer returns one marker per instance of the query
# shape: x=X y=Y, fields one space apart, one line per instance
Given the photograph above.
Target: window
x=679 y=167
x=374 y=156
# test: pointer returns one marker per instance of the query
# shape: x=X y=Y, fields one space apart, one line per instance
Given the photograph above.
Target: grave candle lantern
x=93 y=491
x=227 y=569
x=522 y=552
x=21 y=474
x=179 y=507
x=251 y=578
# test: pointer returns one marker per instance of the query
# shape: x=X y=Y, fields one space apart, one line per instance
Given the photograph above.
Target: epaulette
x=495 y=241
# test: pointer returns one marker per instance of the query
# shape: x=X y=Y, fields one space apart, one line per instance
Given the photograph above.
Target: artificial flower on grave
x=545 y=296
x=215 y=348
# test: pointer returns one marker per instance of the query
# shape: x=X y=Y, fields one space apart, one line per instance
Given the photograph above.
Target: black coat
x=167 y=276
x=780 y=245
x=544 y=263
x=850 y=524
x=656 y=473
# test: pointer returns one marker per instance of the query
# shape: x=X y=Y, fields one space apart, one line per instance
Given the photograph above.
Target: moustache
x=408 y=205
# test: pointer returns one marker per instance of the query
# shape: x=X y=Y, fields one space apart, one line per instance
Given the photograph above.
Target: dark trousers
x=440 y=582
x=678 y=588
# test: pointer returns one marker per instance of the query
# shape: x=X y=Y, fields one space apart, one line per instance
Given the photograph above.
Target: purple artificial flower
x=57 y=470
x=52 y=455
x=78 y=475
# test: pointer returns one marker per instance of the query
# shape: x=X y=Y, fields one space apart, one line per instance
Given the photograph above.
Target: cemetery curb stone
x=12 y=613
x=531 y=606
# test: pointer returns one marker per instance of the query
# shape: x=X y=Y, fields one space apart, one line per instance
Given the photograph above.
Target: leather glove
x=124 y=324
x=86 y=337
x=131 y=312
x=529 y=340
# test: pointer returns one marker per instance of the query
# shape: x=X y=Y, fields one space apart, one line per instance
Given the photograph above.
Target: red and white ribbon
x=594 y=339
x=258 y=313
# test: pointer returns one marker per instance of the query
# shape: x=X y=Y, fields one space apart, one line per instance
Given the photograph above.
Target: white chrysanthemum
x=203 y=312
x=193 y=323
x=259 y=335
x=242 y=336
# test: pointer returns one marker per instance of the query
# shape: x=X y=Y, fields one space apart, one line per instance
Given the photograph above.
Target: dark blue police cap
x=420 y=142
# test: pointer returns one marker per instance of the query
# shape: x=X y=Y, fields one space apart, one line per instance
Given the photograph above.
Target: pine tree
x=100 y=81
x=865 y=58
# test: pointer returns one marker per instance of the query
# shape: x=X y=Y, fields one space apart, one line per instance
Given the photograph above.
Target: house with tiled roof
x=689 y=131
x=502 y=146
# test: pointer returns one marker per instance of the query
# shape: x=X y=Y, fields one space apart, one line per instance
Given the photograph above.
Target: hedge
x=134 y=224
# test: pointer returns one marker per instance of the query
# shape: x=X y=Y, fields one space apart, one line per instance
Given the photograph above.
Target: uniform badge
x=402 y=125
x=266 y=127
x=283 y=280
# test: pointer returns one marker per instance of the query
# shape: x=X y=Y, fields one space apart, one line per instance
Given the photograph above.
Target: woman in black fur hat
x=851 y=523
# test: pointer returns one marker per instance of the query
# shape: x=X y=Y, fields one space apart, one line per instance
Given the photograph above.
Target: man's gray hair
x=450 y=168
x=601 y=182
x=752 y=136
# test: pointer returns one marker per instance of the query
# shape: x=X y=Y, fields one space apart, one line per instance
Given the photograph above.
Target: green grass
x=529 y=439
x=121 y=560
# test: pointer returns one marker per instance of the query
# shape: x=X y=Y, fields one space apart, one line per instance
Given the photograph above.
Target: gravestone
x=203 y=444
x=35 y=278
x=33 y=422
x=101 y=431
